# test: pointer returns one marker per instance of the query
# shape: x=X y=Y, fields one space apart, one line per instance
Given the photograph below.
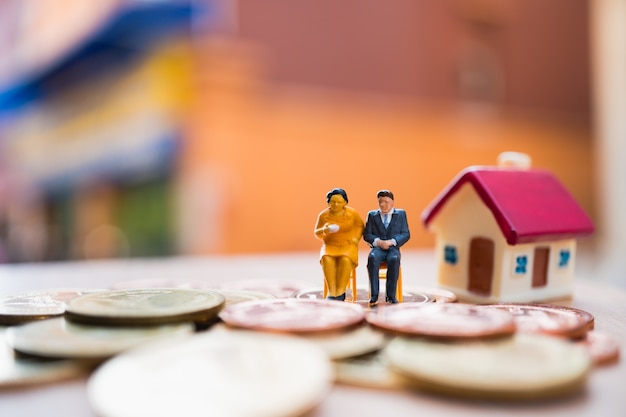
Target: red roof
x=529 y=205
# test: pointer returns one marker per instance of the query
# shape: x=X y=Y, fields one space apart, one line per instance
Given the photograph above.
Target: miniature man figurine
x=386 y=230
x=340 y=227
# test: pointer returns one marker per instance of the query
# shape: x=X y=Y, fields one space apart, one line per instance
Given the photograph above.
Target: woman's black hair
x=334 y=191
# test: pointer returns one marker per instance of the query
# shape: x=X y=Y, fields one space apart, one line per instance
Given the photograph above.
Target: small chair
x=351 y=285
x=382 y=274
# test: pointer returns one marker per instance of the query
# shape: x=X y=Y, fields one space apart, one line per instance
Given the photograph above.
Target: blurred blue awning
x=127 y=34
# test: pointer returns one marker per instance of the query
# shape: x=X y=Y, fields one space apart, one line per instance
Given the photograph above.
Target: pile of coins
x=159 y=348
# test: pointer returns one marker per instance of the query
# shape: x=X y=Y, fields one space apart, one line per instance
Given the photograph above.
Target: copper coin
x=293 y=315
x=602 y=348
x=444 y=320
x=547 y=318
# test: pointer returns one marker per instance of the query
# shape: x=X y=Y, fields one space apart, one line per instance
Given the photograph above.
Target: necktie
x=386 y=220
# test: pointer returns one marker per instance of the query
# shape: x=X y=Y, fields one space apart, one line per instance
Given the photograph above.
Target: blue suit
x=397 y=229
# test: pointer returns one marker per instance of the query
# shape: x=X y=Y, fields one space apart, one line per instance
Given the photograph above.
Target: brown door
x=480 y=266
x=540 y=267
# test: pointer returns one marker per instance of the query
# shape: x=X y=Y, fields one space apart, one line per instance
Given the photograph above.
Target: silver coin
x=226 y=374
x=524 y=366
x=408 y=295
x=21 y=372
x=58 y=338
x=368 y=371
x=37 y=305
x=147 y=306
x=337 y=345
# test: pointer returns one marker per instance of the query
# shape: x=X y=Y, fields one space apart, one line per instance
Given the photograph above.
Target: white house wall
x=518 y=287
x=463 y=217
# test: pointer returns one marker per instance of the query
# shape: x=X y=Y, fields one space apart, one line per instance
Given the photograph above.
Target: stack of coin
x=567 y=322
x=475 y=351
x=338 y=328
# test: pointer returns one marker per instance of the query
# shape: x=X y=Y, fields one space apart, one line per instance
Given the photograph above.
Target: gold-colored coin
x=21 y=372
x=149 y=306
x=59 y=338
x=524 y=366
x=226 y=374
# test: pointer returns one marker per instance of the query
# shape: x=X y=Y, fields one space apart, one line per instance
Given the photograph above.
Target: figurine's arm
x=323 y=228
x=357 y=228
x=368 y=233
x=404 y=235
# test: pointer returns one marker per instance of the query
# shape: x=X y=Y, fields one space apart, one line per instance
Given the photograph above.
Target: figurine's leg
x=329 y=266
x=375 y=257
x=344 y=269
x=393 y=268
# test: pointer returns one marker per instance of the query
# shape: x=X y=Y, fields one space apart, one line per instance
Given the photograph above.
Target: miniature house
x=506 y=234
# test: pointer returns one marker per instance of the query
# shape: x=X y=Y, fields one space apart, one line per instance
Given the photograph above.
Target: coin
x=20 y=372
x=58 y=338
x=279 y=288
x=159 y=283
x=293 y=315
x=437 y=295
x=240 y=296
x=447 y=320
x=369 y=370
x=547 y=318
x=525 y=366
x=226 y=374
x=352 y=342
x=411 y=295
x=37 y=305
x=603 y=348
x=147 y=306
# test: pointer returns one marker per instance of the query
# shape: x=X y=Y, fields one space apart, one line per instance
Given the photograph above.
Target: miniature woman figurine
x=340 y=227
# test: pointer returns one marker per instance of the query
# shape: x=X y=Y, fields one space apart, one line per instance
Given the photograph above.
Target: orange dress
x=345 y=242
